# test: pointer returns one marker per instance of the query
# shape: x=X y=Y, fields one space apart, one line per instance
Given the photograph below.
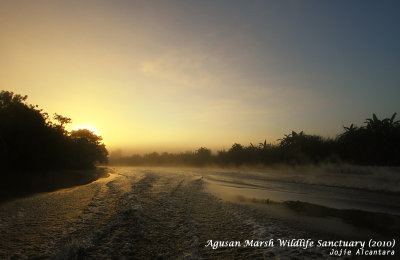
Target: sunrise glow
x=162 y=75
x=88 y=127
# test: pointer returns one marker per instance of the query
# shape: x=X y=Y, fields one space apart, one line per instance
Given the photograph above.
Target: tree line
x=31 y=141
x=377 y=142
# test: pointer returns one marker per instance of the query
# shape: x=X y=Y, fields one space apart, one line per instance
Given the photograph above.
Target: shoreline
x=26 y=184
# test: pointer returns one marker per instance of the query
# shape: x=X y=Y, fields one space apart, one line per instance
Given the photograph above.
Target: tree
x=86 y=135
x=377 y=142
x=62 y=121
x=89 y=147
x=29 y=141
x=202 y=156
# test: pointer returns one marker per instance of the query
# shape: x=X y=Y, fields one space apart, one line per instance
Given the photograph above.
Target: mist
x=199 y=129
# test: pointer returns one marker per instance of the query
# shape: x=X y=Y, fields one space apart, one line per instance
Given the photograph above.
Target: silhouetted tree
x=30 y=141
x=376 y=143
x=202 y=156
x=89 y=147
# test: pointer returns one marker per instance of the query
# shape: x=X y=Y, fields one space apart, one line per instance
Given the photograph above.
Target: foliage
x=30 y=141
x=375 y=143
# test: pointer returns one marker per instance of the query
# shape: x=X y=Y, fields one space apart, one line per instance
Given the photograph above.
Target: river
x=174 y=213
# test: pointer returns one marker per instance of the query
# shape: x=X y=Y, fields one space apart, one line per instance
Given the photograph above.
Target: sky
x=179 y=75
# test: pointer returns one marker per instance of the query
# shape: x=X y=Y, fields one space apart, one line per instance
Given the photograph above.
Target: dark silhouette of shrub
x=202 y=156
x=30 y=141
x=376 y=143
x=303 y=148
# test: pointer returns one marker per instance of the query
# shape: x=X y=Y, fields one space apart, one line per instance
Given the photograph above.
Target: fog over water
x=346 y=187
x=148 y=212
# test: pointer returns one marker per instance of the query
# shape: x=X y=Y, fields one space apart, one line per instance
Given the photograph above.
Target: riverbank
x=24 y=184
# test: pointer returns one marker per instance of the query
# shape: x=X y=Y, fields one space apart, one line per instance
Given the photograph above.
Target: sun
x=88 y=127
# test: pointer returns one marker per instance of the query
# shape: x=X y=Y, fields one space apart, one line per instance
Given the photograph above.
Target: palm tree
x=348 y=131
x=390 y=121
x=264 y=145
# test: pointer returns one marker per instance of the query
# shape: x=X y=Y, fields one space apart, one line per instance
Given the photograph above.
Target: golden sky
x=177 y=75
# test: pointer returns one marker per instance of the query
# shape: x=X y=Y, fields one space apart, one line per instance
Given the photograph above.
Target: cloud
x=185 y=68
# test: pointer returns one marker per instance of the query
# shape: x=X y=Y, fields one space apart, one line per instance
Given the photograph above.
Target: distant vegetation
x=377 y=142
x=30 y=141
